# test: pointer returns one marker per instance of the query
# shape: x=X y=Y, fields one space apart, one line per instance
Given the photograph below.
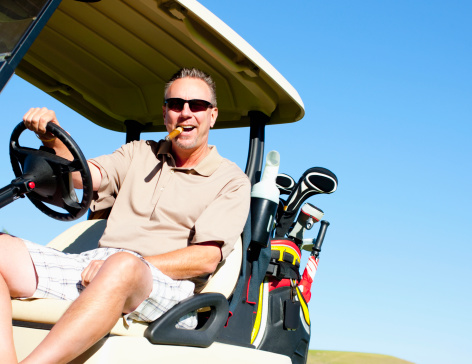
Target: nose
x=186 y=110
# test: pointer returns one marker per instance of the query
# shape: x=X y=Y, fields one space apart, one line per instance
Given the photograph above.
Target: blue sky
x=387 y=87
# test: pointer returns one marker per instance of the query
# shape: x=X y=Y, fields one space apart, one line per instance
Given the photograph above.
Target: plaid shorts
x=59 y=277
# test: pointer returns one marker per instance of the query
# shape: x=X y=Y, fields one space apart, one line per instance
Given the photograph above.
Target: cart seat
x=43 y=313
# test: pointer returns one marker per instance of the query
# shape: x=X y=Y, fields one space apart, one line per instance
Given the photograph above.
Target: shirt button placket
x=169 y=176
x=165 y=176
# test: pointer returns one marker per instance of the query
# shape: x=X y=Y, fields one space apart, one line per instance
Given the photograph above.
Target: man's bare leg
x=17 y=279
x=7 y=348
x=122 y=283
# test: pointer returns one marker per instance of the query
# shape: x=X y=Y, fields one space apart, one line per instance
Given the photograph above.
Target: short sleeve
x=223 y=220
x=113 y=168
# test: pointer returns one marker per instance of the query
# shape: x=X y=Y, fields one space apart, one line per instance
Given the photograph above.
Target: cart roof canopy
x=109 y=61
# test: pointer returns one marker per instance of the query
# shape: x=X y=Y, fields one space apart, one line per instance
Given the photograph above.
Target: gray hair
x=194 y=73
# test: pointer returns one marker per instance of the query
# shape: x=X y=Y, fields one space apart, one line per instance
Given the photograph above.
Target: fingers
x=91 y=271
x=37 y=118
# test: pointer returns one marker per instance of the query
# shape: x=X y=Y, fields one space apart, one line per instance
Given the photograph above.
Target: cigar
x=174 y=133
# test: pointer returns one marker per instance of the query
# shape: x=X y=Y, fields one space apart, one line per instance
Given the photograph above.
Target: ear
x=214 y=115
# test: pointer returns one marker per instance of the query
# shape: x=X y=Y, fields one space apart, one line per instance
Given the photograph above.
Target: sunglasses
x=176 y=104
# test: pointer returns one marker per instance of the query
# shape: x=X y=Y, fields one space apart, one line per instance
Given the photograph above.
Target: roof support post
x=9 y=64
x=133 y=130
x=258 y=121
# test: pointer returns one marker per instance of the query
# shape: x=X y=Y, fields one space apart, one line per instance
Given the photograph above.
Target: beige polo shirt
x=158 y=207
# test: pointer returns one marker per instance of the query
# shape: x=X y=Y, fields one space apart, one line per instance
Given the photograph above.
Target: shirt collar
x=206 y=167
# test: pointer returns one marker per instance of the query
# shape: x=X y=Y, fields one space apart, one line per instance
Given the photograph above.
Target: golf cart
x=108 y=60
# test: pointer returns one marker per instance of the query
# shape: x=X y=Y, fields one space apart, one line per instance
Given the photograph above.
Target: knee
x=16 y=266
x=9 y=246
x=127 y=268
x=128 y=276
x=5 y=238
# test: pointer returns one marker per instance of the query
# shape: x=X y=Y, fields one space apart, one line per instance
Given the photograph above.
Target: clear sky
x=387 y=87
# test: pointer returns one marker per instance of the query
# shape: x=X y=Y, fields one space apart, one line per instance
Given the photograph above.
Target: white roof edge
x=234 y=38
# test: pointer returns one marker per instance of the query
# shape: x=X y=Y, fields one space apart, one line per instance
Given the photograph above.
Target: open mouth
x=187 y=128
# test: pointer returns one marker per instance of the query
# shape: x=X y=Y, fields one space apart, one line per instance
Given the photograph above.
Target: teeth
x=188 y=127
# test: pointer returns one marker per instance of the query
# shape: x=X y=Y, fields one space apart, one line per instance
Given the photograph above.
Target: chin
x=186 y=144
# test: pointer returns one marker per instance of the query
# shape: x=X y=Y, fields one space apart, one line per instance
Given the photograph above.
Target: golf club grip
x=315 y=251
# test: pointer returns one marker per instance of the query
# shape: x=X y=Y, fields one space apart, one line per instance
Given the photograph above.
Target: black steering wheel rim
x=63 y=194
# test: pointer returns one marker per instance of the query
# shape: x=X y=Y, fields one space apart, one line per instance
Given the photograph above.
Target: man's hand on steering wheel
x=36 y=119
x=52 y=169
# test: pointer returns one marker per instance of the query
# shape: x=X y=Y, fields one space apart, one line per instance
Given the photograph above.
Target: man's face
x=197 y=124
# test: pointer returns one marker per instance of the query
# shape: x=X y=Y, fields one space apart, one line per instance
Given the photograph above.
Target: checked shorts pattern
x=59 y=277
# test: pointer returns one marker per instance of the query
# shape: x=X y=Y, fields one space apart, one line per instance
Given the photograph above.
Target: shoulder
x=234 y=177
x=142 y=147
x=224 y=166
x=145 y=145
x=232 y=169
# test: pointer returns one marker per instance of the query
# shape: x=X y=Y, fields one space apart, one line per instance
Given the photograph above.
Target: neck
x=189 y=158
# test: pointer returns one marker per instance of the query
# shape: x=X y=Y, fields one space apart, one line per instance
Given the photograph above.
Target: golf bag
x=282 y=322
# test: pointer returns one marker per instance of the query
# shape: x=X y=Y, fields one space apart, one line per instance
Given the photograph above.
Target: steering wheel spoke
x=75 y=166
x=72 y=207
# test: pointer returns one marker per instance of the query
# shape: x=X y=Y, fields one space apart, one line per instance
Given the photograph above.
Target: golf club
x=285 y=183
x=312 y=264
x=308 y=216
x=314 y=181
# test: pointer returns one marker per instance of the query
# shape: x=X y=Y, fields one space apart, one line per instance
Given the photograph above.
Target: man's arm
x=189 y=262
x=202 y=257
x=192 y=261
x=36 y=120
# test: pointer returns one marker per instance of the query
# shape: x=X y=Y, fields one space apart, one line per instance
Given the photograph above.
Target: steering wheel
x=51 y=174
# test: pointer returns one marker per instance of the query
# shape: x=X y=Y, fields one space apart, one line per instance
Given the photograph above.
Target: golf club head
x=285 y=183
x=308 y=216
x=314 y=181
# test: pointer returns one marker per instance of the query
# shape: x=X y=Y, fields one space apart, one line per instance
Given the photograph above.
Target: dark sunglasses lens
x=175 y=104
x=198 y=105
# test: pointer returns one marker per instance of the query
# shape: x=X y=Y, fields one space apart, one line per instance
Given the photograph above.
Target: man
x=178 y=208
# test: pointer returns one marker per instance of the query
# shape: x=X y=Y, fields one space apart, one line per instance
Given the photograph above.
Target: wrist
x=46 y=137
